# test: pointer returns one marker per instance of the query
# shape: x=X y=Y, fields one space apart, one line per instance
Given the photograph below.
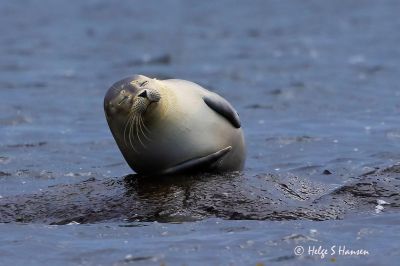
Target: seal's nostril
x=143 y=94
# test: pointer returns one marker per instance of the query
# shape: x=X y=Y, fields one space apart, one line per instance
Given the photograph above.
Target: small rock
x=326 y=172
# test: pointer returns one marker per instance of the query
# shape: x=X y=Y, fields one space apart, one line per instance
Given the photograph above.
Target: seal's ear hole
x=143 y=94
x=110 y=111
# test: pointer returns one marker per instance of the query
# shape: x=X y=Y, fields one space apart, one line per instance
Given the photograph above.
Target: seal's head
x=131 y=96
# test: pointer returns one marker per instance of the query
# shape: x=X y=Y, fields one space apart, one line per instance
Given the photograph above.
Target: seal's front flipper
x=222 y=107
x=196 y=164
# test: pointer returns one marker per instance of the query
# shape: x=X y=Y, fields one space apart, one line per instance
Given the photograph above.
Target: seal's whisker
x=130 y=133
x=140 y=126
x=129 y=129
x=141 y=129
x=137 y=131
x=144 y=125
x=125 y=127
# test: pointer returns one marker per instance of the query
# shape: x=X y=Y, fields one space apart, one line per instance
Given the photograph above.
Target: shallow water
x=316 y=86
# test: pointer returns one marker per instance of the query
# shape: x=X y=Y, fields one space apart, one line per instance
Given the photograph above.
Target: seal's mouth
x=150 y=105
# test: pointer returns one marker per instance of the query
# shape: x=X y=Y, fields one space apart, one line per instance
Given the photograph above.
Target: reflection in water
x=169 y=197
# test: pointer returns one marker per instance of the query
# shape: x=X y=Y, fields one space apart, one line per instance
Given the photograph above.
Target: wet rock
x=326 y=172
x=4 y=174
x=27 y=145
x=179 y=199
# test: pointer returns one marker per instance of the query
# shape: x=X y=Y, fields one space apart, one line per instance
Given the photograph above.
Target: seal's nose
x=143 y=94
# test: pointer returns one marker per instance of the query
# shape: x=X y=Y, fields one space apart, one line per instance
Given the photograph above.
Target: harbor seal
x=173 y=126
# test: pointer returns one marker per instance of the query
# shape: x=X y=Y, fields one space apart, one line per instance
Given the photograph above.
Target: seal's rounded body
x=173 y=126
